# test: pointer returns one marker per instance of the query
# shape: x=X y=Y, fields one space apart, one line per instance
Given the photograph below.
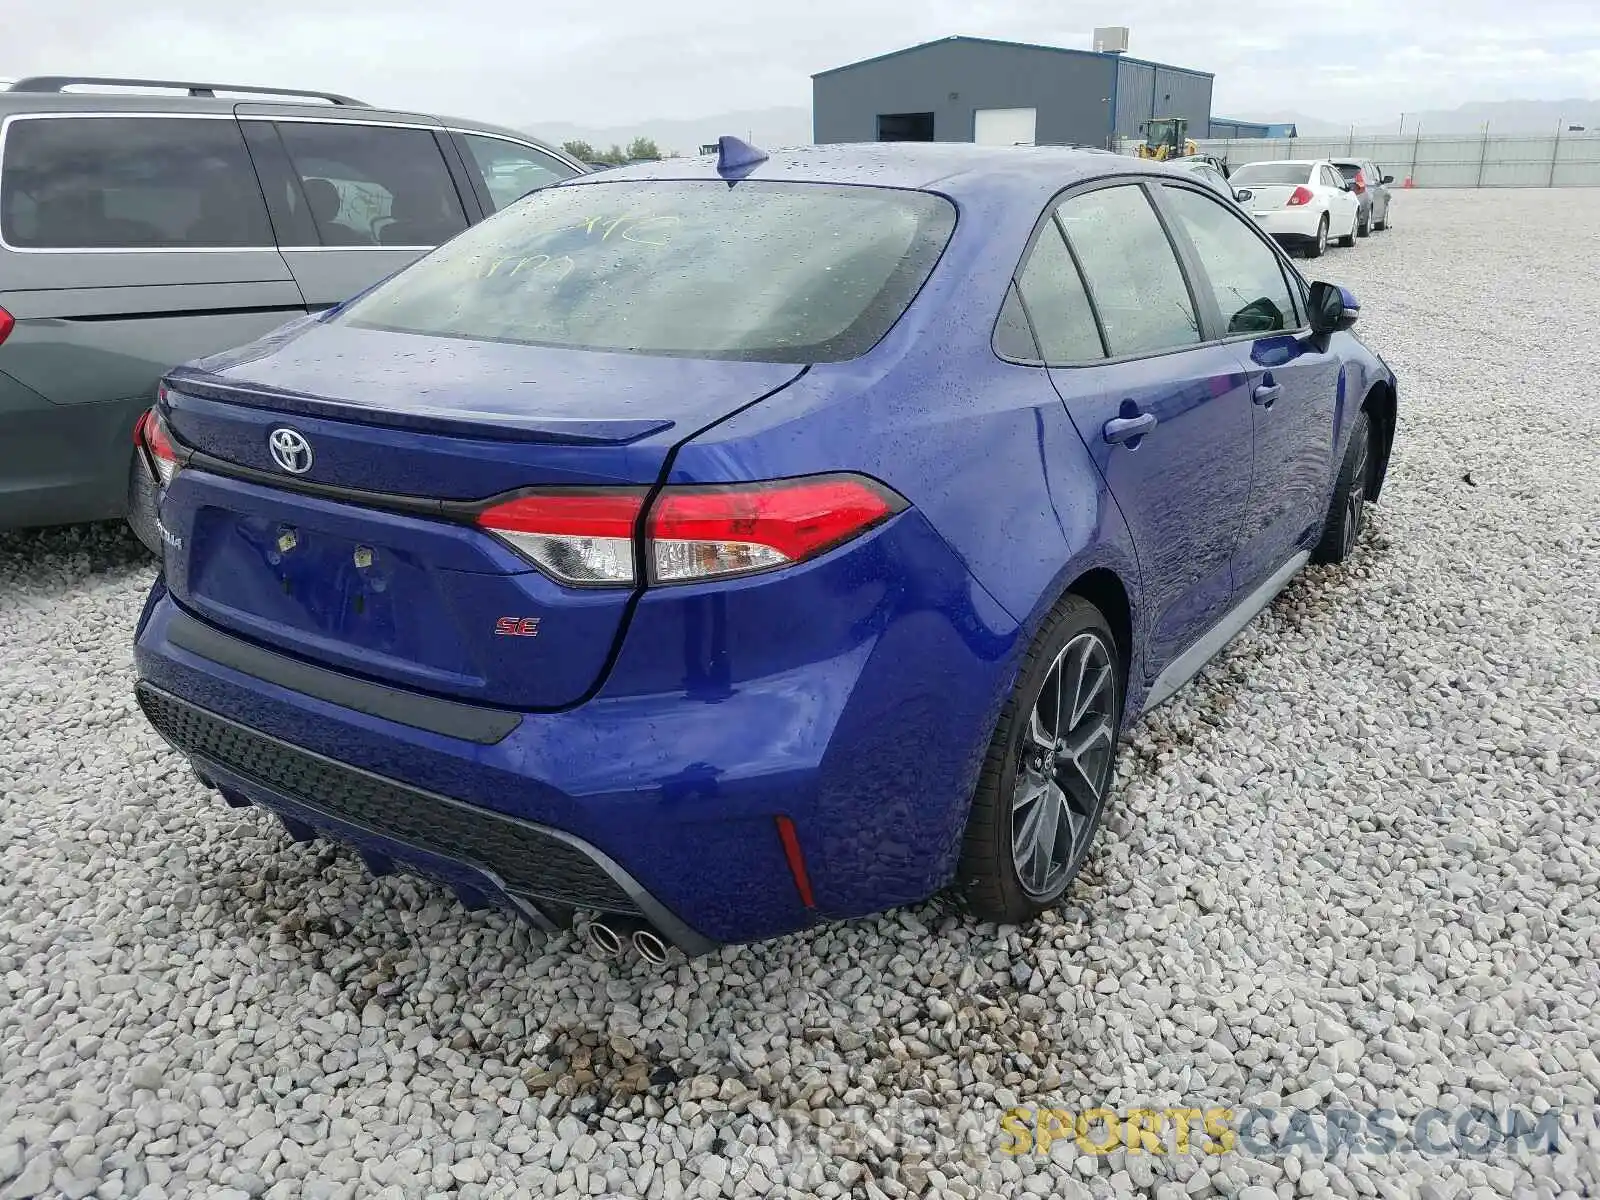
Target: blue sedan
x=712 y=548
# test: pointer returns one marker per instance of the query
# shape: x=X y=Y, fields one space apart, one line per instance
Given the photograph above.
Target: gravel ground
x=1355 y=867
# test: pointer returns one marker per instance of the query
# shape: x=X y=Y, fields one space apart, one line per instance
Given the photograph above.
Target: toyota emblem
x=290 y=450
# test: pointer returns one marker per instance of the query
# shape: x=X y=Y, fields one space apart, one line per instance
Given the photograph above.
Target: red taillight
x=576 y=536
x=692 y=533
x=1361 y=183
x=1302 y=195
x=701 y=533
x=151 y=432
x=7 y=324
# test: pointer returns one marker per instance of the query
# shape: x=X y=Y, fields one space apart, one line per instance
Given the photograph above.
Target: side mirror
x=1388 y=179
x=1242 y=194
x=1332 y=308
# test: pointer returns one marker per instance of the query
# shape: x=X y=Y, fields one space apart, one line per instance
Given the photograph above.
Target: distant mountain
x=1502 y=116
x=1509 y=116
x=769 y=128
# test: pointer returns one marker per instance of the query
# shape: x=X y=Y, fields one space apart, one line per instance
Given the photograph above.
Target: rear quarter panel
x=992 y=465
x=982 y=447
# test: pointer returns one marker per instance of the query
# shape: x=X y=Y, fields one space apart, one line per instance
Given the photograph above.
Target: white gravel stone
x=1356 y=865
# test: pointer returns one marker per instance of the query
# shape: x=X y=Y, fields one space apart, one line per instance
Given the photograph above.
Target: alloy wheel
x=1065 y=765
x=1355 y=499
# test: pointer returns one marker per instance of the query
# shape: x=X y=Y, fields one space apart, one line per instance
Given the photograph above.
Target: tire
x=1364 y=228
x=1347 y=511
x=1382 y=225
x=1319 y=244
x=1030 y=797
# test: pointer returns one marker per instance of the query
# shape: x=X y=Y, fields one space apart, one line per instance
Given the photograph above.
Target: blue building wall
x=1080 y=96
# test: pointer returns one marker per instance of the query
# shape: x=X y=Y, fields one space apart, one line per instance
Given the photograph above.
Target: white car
x=1301 y=202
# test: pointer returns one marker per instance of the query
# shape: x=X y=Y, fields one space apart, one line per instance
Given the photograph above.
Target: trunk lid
x=1265 y=197
x=364 y=561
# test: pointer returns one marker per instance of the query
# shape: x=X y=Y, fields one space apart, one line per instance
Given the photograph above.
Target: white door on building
x=1004 y=126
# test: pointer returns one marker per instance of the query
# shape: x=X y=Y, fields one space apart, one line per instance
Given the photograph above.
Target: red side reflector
x=7 y=324
x=797 y=861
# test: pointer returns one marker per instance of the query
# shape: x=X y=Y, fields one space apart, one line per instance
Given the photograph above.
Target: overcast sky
x=610 y=62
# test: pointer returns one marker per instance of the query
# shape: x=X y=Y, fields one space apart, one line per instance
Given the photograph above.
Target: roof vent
x=1111 y=39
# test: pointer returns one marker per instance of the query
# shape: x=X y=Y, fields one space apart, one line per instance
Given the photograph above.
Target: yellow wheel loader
x=1166 y=138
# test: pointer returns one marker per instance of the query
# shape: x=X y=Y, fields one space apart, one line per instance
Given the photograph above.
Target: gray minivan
x=139 y=230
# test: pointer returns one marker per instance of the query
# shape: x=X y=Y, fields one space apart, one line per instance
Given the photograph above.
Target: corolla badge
x=290 y=450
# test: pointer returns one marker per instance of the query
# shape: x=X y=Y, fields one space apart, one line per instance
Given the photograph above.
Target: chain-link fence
x=1483 y=160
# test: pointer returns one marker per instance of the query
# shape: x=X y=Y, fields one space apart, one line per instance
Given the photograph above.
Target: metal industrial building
x=966 y=89
x=1226 y=127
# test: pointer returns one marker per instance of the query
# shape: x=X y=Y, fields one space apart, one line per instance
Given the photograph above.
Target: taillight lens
x=1302 y=195
x=1361 y=183
x=578 y=537
x=586 y=538
x=7 y=324
x=151 y=432
x=705 y=533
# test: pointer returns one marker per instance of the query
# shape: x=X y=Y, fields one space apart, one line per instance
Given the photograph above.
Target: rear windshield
x=1349 y=170
x=779 y=272
x=1267 y=173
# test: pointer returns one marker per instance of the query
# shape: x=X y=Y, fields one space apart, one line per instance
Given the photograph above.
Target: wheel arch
x=1104 y=588
x=1382 y=408
x=1110 y=583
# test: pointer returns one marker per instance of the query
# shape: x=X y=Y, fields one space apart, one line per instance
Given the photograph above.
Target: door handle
x=1267 y=394
x=1125 y=429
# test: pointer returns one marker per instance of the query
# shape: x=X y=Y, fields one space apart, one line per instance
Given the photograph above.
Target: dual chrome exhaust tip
x=610 y=937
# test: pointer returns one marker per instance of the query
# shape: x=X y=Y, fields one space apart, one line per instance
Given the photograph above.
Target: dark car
x=727 y=546
x=139 y=231
x=1371 y=187
x=1208 y=169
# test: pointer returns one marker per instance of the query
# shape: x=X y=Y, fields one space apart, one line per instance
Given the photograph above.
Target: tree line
x=641 y=149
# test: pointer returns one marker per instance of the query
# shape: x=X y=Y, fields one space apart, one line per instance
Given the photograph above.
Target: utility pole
x=1555 y=152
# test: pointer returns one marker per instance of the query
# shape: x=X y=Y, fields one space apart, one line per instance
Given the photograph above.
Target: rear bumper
x=659 y=798
x=1290 y=224
x=537 y=871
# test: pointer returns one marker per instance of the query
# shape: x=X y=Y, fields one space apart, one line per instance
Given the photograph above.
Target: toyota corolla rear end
x=427 y=592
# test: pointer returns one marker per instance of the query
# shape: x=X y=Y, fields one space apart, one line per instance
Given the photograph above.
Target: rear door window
x=510 y=170
x=1131 y=270
x=147 y=182
x=373 y=185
